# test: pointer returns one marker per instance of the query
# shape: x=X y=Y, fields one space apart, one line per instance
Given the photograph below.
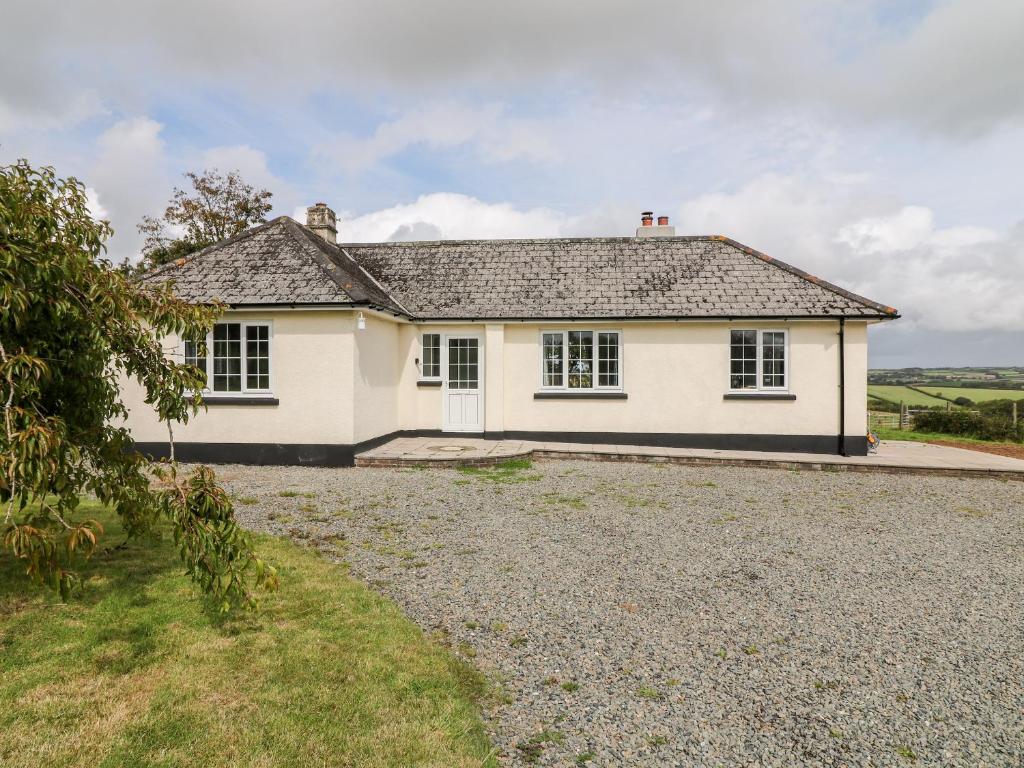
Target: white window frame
x=244 y=391
x=564 y=386
x=423 y=357
x=759 y=387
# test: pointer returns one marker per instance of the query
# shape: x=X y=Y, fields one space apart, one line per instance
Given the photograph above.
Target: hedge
x=969 y=424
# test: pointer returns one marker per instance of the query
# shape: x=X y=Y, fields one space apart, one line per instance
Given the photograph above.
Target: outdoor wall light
x=361 y=322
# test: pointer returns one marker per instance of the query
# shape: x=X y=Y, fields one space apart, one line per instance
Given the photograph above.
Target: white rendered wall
x=675 y=376
x=311 y=375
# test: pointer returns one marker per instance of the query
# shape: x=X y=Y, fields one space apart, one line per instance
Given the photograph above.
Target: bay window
x=757 y=360
x=584 y=360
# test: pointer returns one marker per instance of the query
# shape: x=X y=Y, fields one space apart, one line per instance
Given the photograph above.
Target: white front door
x=463 y=371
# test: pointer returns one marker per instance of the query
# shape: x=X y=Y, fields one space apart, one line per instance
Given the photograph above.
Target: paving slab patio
x=894 y=456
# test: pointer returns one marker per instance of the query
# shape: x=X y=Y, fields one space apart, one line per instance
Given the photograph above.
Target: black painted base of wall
x=265 y=454
x=335 y=455
x=855 y=445
x=282 y=454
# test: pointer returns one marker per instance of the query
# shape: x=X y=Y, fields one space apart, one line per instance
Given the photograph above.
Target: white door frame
x=445 y=425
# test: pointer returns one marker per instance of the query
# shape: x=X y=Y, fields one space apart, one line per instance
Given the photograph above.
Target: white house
x=330 y=349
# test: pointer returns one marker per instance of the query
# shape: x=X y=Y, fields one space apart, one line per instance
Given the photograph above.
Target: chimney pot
x=321 y=219
x=647 y=228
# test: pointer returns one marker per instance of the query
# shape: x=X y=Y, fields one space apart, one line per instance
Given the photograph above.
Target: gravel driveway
x=661 y=615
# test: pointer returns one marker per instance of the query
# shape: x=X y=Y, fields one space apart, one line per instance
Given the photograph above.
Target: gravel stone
x=700 y=616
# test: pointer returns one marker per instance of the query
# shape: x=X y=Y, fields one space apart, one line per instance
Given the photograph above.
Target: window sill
x=428 y=383
x=247 y=400
x=580 y=395
x=758 y=396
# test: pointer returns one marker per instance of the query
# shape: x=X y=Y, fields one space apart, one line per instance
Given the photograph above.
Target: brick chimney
x=321 y=220
x=647 y=228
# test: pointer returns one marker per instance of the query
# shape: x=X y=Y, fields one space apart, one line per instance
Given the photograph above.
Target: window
x=195 y=354
x=743 y=354
x=257 y=357
x=583 y=360
x=757 y=360
x=463 y=364
x=431 y=366
x=607 y=359
x=553 y=353
x=233 y=366
x=227 y=357
x=773 y=359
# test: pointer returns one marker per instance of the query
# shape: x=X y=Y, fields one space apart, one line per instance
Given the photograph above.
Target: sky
x=878 y=144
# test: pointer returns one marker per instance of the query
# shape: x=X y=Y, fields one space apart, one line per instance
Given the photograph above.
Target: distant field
x=977 y=395
x=896 y=394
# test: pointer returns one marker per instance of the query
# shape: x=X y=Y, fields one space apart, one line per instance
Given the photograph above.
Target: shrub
x=1000 y=408
x=969 y=424
x=875 y=404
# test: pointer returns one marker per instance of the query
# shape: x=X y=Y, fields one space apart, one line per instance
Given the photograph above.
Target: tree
x=70 y=326
x=219 y=206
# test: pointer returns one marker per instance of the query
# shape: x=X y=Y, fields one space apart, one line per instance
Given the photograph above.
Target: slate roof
x=601 y=277
x=280 y=262
x=284 y=262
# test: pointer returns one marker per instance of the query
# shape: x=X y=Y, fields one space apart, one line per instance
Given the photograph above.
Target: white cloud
x=250 y=163
x=957 y=71
x=59 y=115
x=92 y=201
x=792 y=218
x=940 y=278
x=951 y=67
x=446 y=216
x=911 y=227
x=952 y=279
x=496 y=136
x=130 y=174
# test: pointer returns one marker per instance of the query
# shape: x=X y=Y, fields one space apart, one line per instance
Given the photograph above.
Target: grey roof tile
x=283 y=262
x=280 y=262
x=600 y=277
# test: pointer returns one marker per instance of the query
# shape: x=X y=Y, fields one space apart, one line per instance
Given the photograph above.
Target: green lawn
x=897 y=394
x=137 y=672
x=977 y=395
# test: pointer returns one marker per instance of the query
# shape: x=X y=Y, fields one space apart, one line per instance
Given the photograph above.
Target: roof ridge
x=323 y=248
x=609 y=239
x=296 y=230
x=813 y=279
x=376 y=282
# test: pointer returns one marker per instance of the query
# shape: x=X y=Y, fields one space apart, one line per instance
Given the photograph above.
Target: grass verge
x=1013 y=450
x=931 y=437
x=137 y=671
